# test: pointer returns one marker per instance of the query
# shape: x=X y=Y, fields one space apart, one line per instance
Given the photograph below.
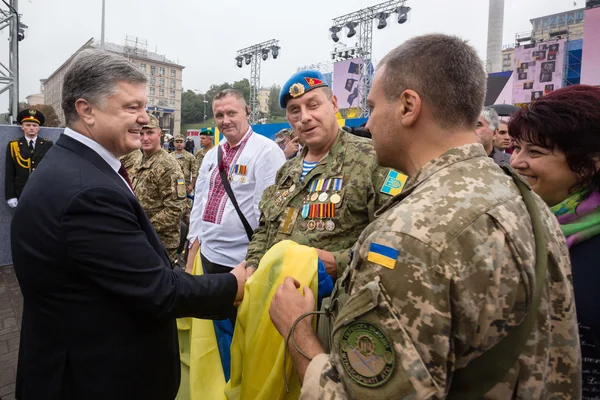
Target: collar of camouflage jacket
x=147 y=162
x=450 y=157
x=334 y=160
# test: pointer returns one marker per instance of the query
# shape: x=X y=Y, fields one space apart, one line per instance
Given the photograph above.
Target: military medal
x=320 y=225
x=236 y=178
x=311 y=225
x=323 y=197
x=330 y=226
x=335 y=198
x=314 y=196
x=303 y=225
x=242 y=179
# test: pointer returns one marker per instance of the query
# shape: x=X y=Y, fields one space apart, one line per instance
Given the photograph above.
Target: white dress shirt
x=97 y=147
x=29 y=140
x=224 y=240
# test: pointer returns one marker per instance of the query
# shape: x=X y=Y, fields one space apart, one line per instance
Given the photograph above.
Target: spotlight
x=248 y=59
x=402 y=14
x=351 y=28
x=334 y=31
x=382 y=17
x=265 y=54
x=239 y=60
x=275 y=51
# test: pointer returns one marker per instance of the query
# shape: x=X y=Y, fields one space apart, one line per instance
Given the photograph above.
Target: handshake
x=242 y=274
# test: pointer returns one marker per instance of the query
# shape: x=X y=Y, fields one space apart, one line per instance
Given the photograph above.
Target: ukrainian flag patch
x=383 y=255
x=394 y=183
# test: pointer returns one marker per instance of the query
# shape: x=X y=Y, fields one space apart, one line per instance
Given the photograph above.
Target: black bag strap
x=229 y=192
x=484 y=372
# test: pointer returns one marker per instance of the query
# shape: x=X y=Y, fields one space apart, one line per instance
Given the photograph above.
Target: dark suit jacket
x=100 y=297
x=16 y=173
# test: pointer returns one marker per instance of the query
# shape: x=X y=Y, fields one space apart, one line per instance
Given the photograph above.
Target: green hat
x=207 y=132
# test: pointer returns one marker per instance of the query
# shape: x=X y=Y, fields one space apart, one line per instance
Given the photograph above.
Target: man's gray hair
x=491 y=117
x=445 y=71
x=93 y=76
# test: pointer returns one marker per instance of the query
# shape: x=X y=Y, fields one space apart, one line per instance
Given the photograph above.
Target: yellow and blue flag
x=383 y=255
x=394 y=183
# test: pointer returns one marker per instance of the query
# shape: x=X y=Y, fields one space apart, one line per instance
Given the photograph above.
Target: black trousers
x=212 y=268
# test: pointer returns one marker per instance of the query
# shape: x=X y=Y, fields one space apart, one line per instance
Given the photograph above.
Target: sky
x=204 y=36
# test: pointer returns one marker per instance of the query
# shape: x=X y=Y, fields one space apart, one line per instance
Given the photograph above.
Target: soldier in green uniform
x=461 y=288
x=187 y=162
x=326 y=196
x=206 y=141
x=131 y=162
x=160 y=188
x=23 y=155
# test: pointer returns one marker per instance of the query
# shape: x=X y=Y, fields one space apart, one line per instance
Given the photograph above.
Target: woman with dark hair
x=557 y=150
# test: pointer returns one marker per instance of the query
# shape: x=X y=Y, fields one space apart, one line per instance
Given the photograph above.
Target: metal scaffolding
x=363 y=20
x=252 y=56
x=9 y=77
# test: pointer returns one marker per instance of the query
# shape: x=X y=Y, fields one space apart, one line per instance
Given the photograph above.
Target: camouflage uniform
x=444 y=273
x=160 y=189
x=200 y=156
x=131 y=162
x=188 y=165
x=351 y=158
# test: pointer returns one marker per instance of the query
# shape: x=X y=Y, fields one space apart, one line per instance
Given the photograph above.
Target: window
x=153 y=70
x=143 y=67
x=173 y=73
x=152 y=91
x=172 y=94
x=153 y=80
x=161 y=92
x=172 y=102
x=161 y=82
x=161 y=71
x=172 y=83
x=151 y=100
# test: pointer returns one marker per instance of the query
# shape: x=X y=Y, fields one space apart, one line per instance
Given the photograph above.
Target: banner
x=346 y=79
x=590 y=63
x=538 y=70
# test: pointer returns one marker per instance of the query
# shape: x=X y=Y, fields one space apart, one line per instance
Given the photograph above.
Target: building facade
x=164 y=82
x=33 y=99
x=263 y=100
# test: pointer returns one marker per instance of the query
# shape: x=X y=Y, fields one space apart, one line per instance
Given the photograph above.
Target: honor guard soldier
x=187 y=162
x=207 y=143
x=327 y=195
x=461 y=288
x=23 y=155
x=160 y=188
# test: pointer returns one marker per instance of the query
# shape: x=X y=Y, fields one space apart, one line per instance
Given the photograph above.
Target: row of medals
x=237 y=178
x=322 y=197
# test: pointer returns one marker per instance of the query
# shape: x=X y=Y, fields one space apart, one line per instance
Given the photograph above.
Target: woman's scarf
x=579 y=217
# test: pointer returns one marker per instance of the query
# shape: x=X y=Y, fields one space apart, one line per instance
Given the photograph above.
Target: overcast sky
x=205 y=35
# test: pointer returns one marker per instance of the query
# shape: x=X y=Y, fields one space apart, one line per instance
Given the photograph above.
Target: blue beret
x=300 y=83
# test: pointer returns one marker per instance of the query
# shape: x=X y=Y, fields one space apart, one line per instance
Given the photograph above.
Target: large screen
x=346 y=80
x=538 y=70
x=590 y=63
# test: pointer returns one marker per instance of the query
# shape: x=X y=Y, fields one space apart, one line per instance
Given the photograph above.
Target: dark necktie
x=125 y=175
x=31 y=146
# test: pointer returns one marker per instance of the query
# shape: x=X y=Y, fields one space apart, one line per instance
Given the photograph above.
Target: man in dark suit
x=100 y=296
x=23 y=155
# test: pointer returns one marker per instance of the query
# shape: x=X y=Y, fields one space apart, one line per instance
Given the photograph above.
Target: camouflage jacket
x=131 y=162
x=187 y=162
x=444 y=273
x=353 y=160
x=159 y=187
x=200 y=156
